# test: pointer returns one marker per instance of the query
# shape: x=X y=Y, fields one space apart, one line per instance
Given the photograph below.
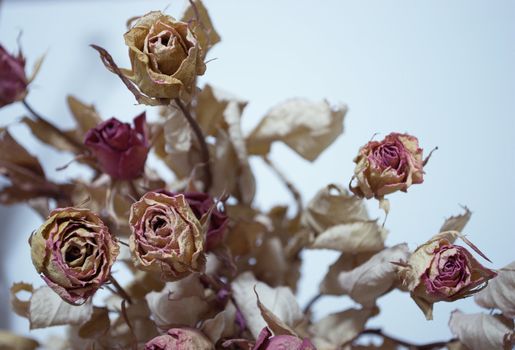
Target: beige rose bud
x=442 y=271
x=73 y=251
x=166 y=236
x=165 y=56
x=387 y=166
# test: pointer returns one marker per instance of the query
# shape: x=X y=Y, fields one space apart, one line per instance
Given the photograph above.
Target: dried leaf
x=97 y=325
x=11 y=341
x=275 y=324
x=85 y=115
x=458 y=222
x=202 y=25
x=482 y=332
x=21 y=307
x=48 y=309
x=346 y=262
x=280 y=301
x=376 y=276
x=52 y=136
x=180 y=303
x=341 y=327
x=307 y=127
x=340 y=221
x=222 y=325
x=499 y=294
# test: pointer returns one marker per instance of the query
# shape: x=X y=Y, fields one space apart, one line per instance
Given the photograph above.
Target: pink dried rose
x=165 y=56
x=442 y=271
x=166 y=236
x=266 y=341
x=73 y=251
x=386 y=166
x=13 y=81
x=180 y=339
x=202 y=203
x=120 y=149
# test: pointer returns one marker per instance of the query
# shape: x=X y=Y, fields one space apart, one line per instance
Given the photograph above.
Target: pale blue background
x=441 y=70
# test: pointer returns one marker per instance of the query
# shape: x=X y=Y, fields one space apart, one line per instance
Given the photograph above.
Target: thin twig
x=202 y=141
x=411 y=346
x=293 y=190
x=120 y=290
x=51 y=126
x=307 y=308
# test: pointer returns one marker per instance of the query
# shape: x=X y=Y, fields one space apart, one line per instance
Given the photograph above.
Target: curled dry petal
x=180 y=339
x=73 y=251
x=120 y=149
x=166 y=236
x=387 y=166
x=442 y=271
x=13 y=81
x=499 y=293
x=165 y=56
x=266 y=341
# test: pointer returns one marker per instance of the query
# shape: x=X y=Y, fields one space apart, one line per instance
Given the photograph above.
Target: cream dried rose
x=165 y=56
x=166 y=236
x=386 y=166
x=73 y=251
x=442 y=271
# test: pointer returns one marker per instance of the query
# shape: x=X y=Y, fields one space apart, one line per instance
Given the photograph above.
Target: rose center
x=72 y=254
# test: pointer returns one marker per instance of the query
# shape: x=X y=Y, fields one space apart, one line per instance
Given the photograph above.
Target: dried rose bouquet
x=208 y=269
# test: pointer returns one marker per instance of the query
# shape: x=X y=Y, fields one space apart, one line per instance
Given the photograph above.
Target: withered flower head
x=386 y=166
x=442 y=271
x=13 y=81
x=166 y=236
x=180 y=339
x=73 y=251
x=120 y=149
x=165 y=56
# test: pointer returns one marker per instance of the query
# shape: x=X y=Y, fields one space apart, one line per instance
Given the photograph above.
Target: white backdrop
x=443 y=71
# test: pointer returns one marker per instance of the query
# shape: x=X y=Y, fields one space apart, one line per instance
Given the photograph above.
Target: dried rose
x=120 y=149
x=266 y=341
x=166 y=236
x=180 y=339
x=386 y=166
x=442 y=271
x=202 y=203
x=73 y=251
x=13 y=81
x=165 y=56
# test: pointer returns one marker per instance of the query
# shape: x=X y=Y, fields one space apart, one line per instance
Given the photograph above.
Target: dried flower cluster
x=209 y=270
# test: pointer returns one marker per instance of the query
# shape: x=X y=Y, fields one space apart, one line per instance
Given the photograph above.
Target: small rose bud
x=266 y=341
x=165 y=56
x=73 y=251
x=166 y=236
x=442 y=271
x=201 y=203
x=386 y=166
x=180 y=339
x=120 y=149
x=13 y=81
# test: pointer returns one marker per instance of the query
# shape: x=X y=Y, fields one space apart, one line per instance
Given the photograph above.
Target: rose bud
x=266 y=341
x=386 y=166
x=13 y=81
x=165 y=56
x=201 y=204
x=73 y=251
x=442 y=271
x=121 y=150
x=180 y=339
x=166 y=236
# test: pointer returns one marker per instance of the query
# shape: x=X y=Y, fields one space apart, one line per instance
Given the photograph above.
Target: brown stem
x=307 y=308
x=411 y=346
x=293 y=190
x=79 y=146
x=133 y=191
x=120 y=290
x=202 y=141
